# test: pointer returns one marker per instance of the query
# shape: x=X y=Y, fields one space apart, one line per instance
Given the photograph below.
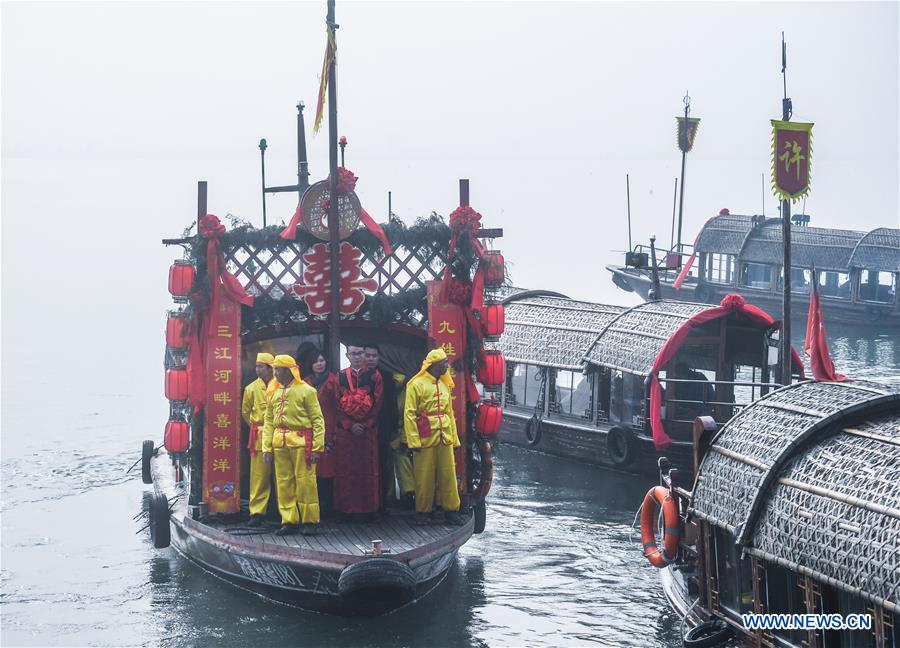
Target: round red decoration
x=494 y=268
x=176 y=329
x=176 y=384
x=177 y=438
x=493 y=320
x=356 y=403
x=181 y=278
x=488 y=419
x=459 y=292
x=492 y=370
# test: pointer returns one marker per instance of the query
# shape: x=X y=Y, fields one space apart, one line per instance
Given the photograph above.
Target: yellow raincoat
x=293 y=418
x=428 y=404
x=253 y=411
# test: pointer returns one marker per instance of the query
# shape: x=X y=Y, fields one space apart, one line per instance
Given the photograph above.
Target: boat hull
x=289 y=571
x=590 y=444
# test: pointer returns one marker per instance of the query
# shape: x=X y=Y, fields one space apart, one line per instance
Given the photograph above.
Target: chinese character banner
x=791 y=154
x=221 y=440
x=447 y=327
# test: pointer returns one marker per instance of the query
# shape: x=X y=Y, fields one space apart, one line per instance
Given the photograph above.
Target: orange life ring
x=656 y=497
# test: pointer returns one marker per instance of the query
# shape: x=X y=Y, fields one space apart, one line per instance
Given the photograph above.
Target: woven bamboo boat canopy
x=632 y=341
x=552 y=331
x=808 y=477
x=758 y=239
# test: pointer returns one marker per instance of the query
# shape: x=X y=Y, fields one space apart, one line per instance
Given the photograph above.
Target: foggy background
x=111 y=113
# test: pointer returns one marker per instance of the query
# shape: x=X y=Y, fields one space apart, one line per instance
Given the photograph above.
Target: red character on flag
x=316 y=289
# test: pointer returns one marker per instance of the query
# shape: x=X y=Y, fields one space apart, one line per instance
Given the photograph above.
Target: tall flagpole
x=334 y=318
x=785 y=340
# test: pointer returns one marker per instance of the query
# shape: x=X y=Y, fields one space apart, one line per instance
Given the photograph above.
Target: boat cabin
x=794 y=510
x=858 y=272
x=612 y=385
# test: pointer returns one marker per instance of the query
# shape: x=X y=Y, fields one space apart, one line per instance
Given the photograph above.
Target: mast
x=684 y=137
x=302 y=163
x=785 y=339
x=334 y=318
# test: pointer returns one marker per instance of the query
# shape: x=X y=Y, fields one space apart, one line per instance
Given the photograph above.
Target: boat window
x=782 y=595
x=834 y=284
x=880 y=287
x=801 y=280
x=524 y=386
x=733 y=575
x=720 y=268
x=626 y=399
x=756 y=275
x=572 y=396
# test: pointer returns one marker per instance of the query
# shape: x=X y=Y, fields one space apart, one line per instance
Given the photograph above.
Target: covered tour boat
x=616 y=386
x=857 y=272
x=793 y=511
x=397 y=300
x=332 y=277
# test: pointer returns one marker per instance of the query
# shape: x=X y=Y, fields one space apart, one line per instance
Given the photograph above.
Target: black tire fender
x=160 y=532
x=377 y=579
x=708 y=634
x=533 y=430
x=620 y=446
x=148 y=451
x=480 y=515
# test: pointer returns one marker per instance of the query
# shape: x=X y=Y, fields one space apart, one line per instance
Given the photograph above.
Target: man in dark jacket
x=387 y=422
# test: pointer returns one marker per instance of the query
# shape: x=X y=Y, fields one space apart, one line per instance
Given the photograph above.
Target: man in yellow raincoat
x=253 y=411
x=431 y=434
x=294 y=437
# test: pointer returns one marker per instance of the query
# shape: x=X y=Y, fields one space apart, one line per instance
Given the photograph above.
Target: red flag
x=816 y=346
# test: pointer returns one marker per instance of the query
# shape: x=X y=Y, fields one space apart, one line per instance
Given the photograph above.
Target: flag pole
x=686 y=127
x=334 y=318
x=785 y=340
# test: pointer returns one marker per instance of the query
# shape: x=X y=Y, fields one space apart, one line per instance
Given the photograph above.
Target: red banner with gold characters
x=222 y=434
x=791 y=153
x=447 y=327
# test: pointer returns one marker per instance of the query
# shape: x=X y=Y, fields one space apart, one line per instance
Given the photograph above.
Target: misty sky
x=111 y=112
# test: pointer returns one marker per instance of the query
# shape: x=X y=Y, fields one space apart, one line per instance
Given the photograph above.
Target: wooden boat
x=580 y=375
x=858 y=272
x=793 y=511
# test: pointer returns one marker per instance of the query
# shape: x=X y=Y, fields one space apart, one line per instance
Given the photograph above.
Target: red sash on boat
x=254 y=435
x=306 y=433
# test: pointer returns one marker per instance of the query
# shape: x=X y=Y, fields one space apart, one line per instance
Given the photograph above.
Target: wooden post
x=334 y=319
x=463 y=192
x=785 y=339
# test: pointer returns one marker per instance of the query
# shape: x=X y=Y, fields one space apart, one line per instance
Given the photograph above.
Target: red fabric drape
x=816 y=345
x=223 y=285
x=730 y=304
x=346 y=184
x=690 y=262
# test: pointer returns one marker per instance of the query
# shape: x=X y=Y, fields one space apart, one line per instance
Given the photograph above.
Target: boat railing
x=669 y=262
x=706 y=403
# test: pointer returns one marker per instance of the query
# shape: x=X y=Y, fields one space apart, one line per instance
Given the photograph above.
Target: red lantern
x=176 y=384
x=492 y=370
x=177 y=437
x=181 y=278
x=494 y=268
x=489 y=418
x=493 y=320
x=176 y=327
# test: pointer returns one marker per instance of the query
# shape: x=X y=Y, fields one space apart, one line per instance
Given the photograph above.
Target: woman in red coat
x=314 y=370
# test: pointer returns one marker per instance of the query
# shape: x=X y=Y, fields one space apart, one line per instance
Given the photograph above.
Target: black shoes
x=287 y=529
x=455 y=518
x=422 y=519
x=309 y=529
x=256 y=520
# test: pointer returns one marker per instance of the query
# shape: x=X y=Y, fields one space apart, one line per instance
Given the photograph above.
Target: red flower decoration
x=211 y=227
x=459 y=292
x=356 y=403
x=346 y=181
x=464 y=218
x=732 y=301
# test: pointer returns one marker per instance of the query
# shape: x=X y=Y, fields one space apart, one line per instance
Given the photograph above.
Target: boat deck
x=396 y=531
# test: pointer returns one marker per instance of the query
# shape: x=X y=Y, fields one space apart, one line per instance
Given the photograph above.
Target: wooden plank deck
x=397 y=533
